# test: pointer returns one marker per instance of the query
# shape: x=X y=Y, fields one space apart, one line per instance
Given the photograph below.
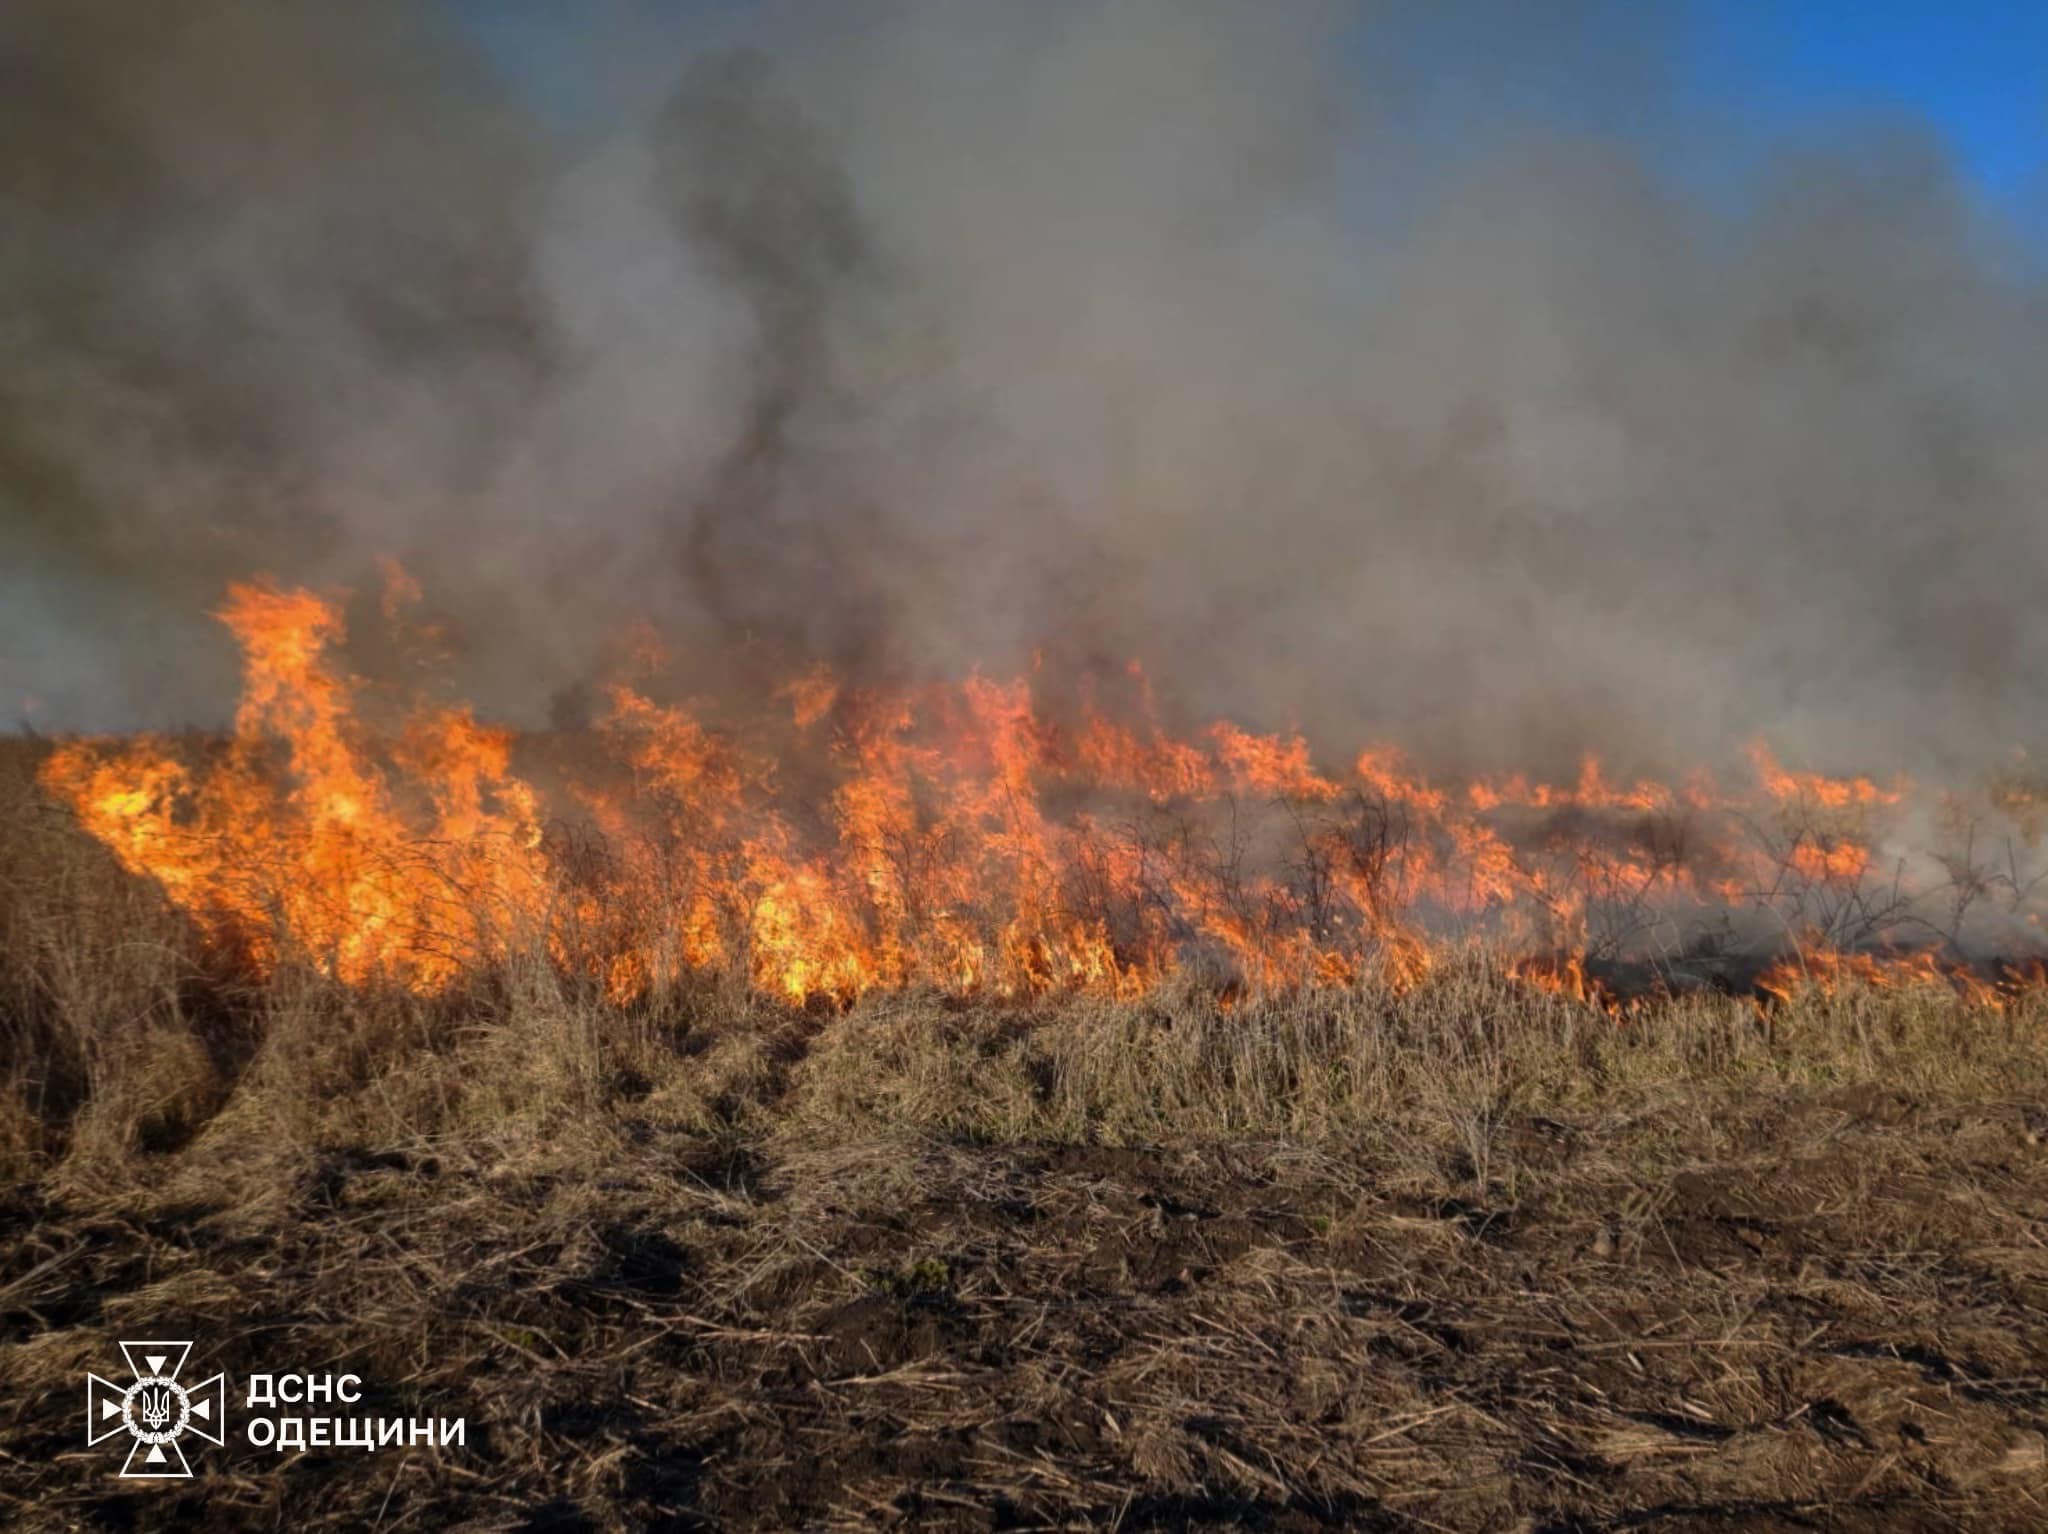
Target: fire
x=295 y=838
x=973 y=839
x=1828 y=970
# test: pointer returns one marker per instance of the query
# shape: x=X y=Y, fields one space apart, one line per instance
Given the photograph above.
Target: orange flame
x=956 y=837
x=296 y=836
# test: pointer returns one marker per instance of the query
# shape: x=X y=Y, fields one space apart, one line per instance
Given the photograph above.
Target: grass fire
x=963 y=839
x=992 y=766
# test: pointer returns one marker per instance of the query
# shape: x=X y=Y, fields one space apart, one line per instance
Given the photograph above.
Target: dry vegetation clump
x=1472 y=1256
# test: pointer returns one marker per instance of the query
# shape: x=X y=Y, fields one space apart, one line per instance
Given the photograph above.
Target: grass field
x=1470 y=1256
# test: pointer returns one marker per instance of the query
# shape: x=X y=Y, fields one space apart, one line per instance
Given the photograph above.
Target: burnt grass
x=1467 y=1258
x=1818 y=1310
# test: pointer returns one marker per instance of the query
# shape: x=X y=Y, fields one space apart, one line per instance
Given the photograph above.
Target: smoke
x=1309 y=354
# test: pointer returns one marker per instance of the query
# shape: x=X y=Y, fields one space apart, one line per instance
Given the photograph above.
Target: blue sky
x=1977 y=70
x=1710 y=78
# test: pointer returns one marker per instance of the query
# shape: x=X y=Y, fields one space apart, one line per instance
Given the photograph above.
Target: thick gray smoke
x=926 y=335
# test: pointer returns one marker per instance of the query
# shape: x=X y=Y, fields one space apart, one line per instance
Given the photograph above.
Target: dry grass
x=1470 y=1257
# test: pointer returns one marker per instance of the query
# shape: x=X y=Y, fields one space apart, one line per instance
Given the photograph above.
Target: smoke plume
x=916 y=337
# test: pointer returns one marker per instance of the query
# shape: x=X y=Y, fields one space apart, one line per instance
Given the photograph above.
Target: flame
x=295 y=837
x=971 y=839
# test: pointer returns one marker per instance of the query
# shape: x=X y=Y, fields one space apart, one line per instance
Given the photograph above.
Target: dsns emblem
x=155 y=1409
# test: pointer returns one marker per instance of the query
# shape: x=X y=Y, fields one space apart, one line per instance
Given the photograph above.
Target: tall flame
x=964 y=841
x=294 y=836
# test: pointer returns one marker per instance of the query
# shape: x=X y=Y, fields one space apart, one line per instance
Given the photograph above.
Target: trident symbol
x=155 y=1405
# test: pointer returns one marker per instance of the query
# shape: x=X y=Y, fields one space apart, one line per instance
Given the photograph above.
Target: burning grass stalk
x=129 y=1031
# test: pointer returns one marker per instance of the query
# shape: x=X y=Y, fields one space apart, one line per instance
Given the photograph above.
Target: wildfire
x=972 y=841
x=322 y=850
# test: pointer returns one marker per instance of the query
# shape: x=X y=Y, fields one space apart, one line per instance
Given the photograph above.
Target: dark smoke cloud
x=251 y=251
x=924 y=335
